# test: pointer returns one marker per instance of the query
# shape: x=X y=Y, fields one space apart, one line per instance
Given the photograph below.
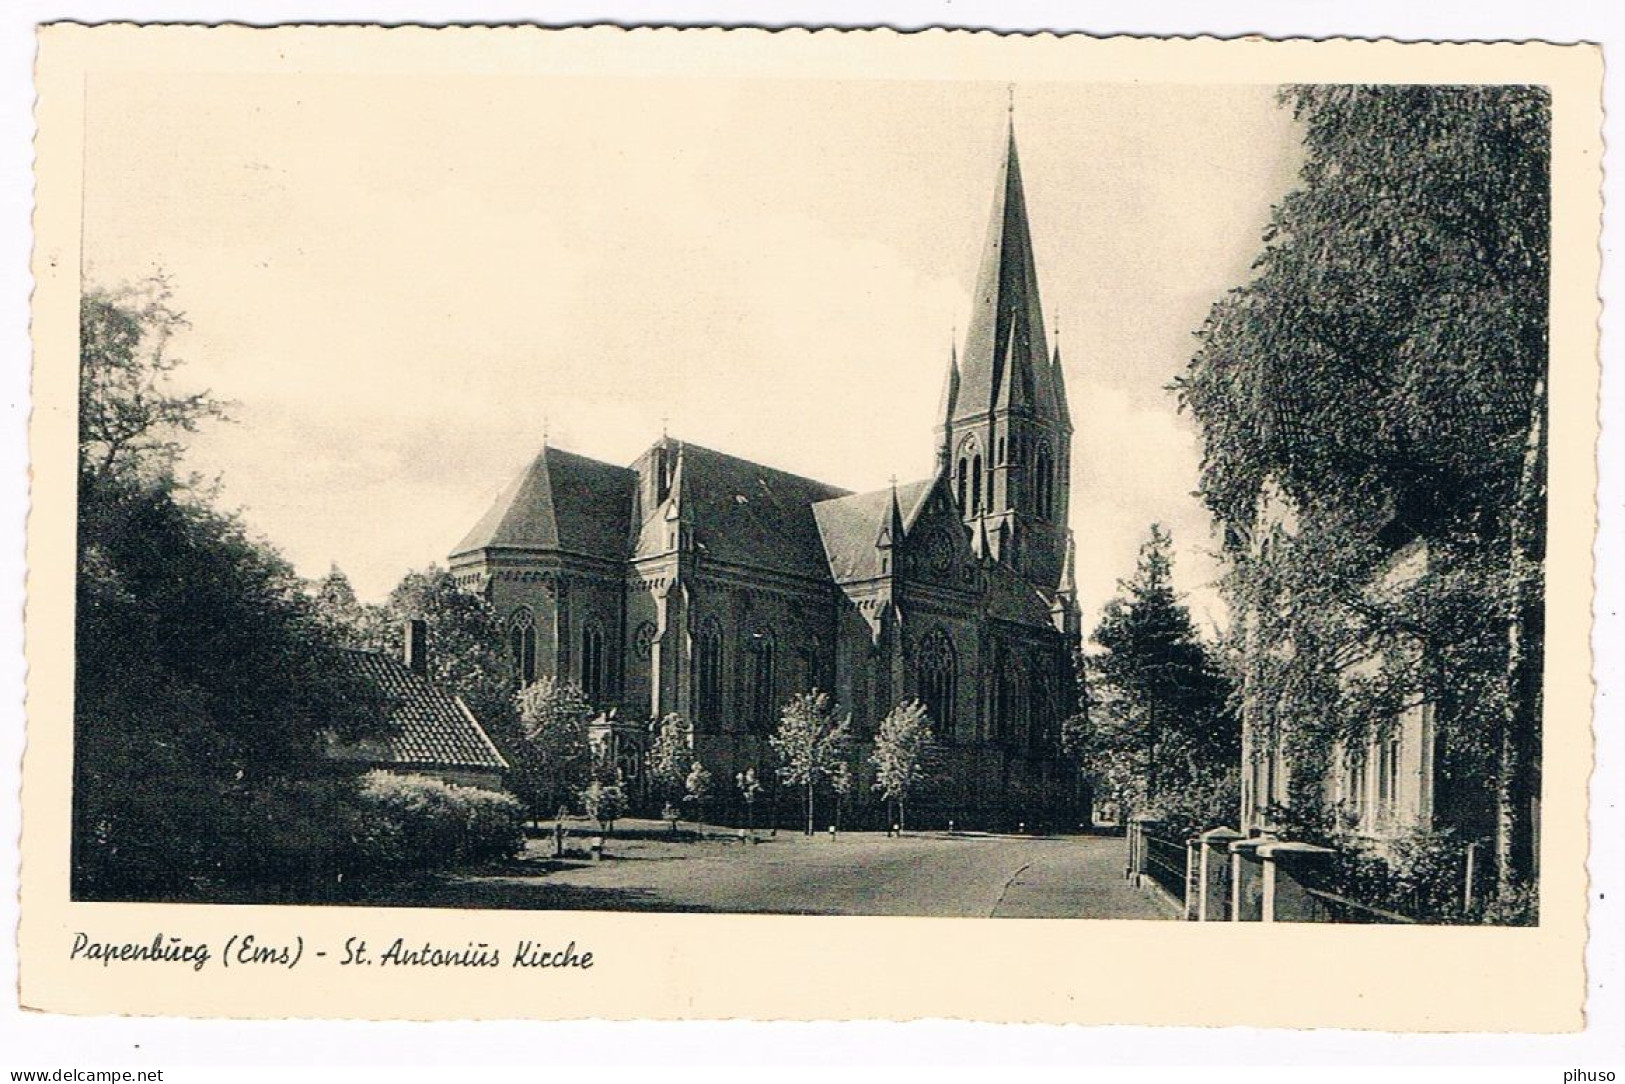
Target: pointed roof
x=747 y=514
x=1006 y=361
x=950 y=387
x=428 y=726
x=851 y=526
x=1058 y=378
x=561 y=501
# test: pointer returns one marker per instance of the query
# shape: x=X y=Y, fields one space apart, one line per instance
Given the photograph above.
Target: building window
x=1356 y=796
x=1004 y=695
x=522 y=645
x=592 y=662
x=976 y=484
x=643 y=641
x=1388 y=778
x=1038 y=722
x=964 y=471
x=935 y=677
x=762 y=700
x=815 y=669
x=1044 y=484
x=708 y=674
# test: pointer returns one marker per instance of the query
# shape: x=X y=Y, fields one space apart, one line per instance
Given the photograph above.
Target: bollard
x=832 y=831
x=558 y=839
x=597 y=848
x=950 y=824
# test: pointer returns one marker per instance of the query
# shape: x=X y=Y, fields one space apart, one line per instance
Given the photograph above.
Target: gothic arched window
x=522 y=645
x=1040 y=718
x=1004 y=695
x=762 y=666
x=1044 y=483
x=816 y=670
x=964 y=472
x=976 y=484
x=592 y=662
x=935 y=676
x=708 y=674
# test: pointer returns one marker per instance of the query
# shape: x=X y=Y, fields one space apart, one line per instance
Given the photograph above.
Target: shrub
x=416 y=822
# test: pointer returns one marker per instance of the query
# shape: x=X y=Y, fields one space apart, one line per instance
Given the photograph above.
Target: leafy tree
x=904 y=755
x=203 y=675
x=131 y=418
x=811 y=744
x=670 y=755
x=467 y=653
x=697 y=788
x=1160 y=716
x=346 y=619
x=605 y=802
x=750 y=789
x=1382 y=376
x=555 y=757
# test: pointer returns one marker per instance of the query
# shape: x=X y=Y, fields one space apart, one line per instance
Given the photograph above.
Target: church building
x=696 y=582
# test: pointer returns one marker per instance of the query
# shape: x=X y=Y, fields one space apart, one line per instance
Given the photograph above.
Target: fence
x=1330 y=907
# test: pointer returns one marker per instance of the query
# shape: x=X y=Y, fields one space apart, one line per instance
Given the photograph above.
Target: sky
x=404 y=282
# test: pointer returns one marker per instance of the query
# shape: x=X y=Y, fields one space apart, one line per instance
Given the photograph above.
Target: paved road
x=857 y=874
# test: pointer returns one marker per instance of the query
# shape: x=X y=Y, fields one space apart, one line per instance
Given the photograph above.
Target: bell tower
x=1005 y=435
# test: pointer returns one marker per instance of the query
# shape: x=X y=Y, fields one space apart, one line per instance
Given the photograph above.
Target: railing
x=1165 y=863
x=1335 y=908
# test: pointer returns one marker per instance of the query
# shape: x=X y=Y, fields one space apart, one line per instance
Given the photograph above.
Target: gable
x=937 y=546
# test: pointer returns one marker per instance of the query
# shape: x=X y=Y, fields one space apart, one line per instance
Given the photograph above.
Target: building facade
x=696 y=582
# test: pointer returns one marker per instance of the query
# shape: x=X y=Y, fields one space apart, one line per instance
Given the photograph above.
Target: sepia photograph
x=529 y=502
x=1042 y=559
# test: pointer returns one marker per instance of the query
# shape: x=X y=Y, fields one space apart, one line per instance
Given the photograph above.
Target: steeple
x=1006 y=360
x=1063 y=413
x=945 y=408
x=1005 y=440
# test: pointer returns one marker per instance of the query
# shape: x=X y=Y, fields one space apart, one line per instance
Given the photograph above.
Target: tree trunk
x=1519 y=723
x=809 y=807
x=900 y=816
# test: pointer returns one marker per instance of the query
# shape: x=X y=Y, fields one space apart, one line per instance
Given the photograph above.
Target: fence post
x=1191 y=892
x=1139 y=828
x=1467 y=878
x=1285 y=866
x=1246 y=879
x=1213 y=874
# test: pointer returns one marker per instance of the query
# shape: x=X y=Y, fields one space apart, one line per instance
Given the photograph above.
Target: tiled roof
x=747 y=514
x=561 y=501
x=1005 y=362
x=849 y=526
x=428 y=726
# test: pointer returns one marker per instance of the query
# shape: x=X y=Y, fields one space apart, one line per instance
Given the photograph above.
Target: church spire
x=1063 y=413
x=1006 y=359
x=945 y=408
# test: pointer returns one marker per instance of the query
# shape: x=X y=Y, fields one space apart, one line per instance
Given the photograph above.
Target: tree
x=555 y=757
x=204 y=679
x=904 y=752
x=670 y=755
x=346 y=619
x=605 y=802
x=130 y=417
x=1160 y=715
x=467 y=653
x=697 y=788
x=1382 y=375
x=750 y=788
x=811 y=744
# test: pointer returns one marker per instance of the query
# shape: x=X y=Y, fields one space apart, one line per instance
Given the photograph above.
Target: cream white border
x=665 y=966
